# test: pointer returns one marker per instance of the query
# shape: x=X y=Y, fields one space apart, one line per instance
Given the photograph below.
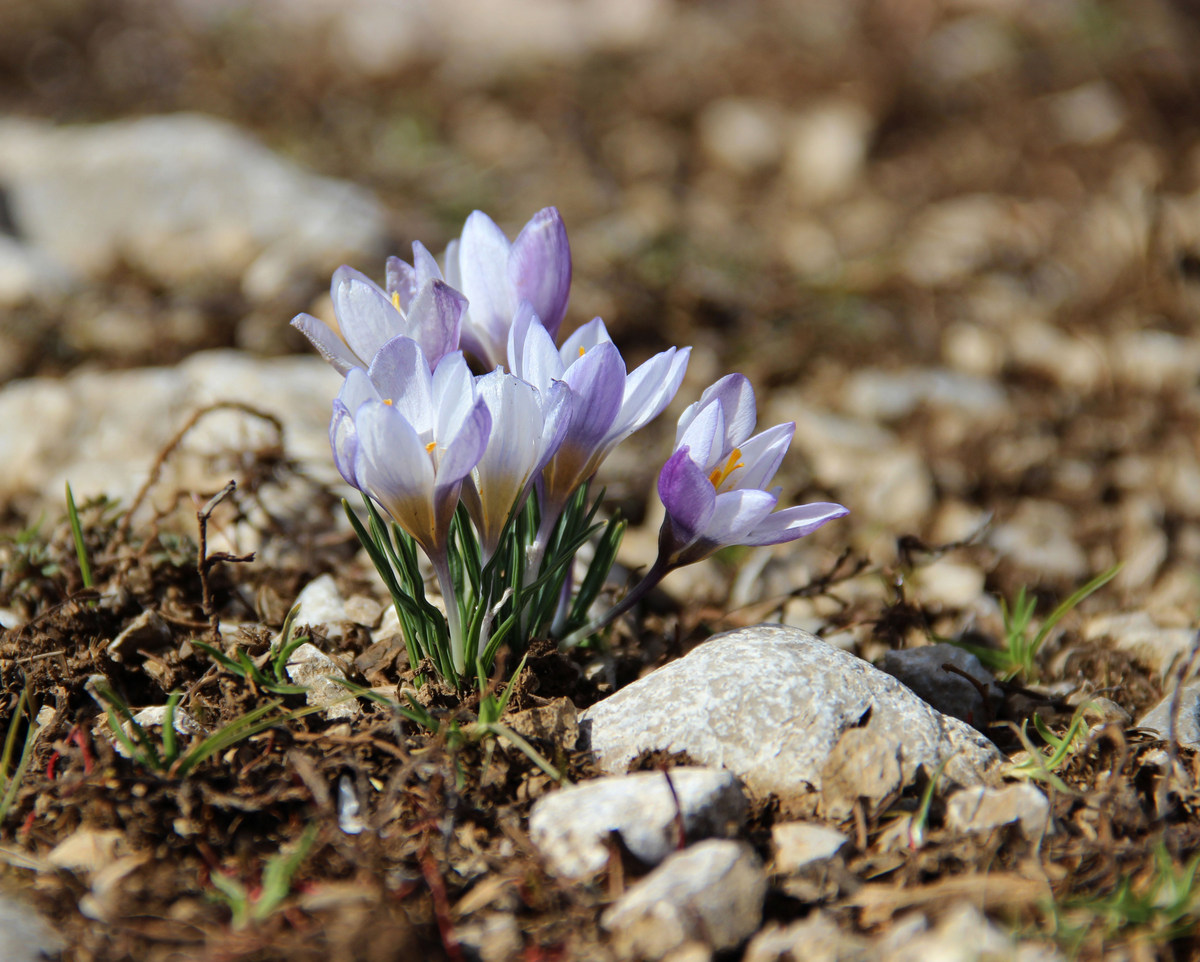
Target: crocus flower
x=408 y=438
x=418 y=304
x=528 y=426
x=496 y=276
x=714 y=487
x=607 y=404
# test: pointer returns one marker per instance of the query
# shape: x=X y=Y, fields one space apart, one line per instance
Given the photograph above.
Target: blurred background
x=958 y=241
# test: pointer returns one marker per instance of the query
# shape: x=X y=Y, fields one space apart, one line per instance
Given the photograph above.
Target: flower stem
x=458 y=644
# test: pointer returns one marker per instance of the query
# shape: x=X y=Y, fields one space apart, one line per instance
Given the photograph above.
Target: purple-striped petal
x=435 y=319
x=328 y=344
x=365 y=314
x=792 y=523
x=688 y=497
x=539 y=267
x=762 y=455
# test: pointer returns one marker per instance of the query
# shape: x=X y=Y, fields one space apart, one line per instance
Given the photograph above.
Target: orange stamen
x=396 y=300
x=387 y=401
x=731 y=464
x=430 y=446
x=581 y=350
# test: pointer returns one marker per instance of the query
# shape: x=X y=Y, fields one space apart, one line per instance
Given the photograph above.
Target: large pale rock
x=1187 y=721
x=102 y=430
x=791 y=715
x=712 y=894
x=181 y=197
x=571 y=827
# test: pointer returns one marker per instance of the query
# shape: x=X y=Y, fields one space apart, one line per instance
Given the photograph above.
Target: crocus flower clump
x=488 y=473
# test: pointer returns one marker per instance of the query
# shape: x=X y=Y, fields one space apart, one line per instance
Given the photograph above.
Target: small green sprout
x=1154 y=908
x=242 y=665
x=1018 y=656
x=1038 y=766
x=164 y=755
x=250 y=906
x=10 y=776
x=85 y=569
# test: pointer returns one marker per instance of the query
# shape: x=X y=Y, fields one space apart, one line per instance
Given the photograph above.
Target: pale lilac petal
x=328 y=344
x=424 y=265
x=762 y=455
x=357 y=389
x=735 y=394
x=343 y=439
x=736 y=513
x=453 y=397
x=648 y=390
x=583 y=339
x=705 y=437
x=453 y=273
x=792 y=523
x=483 y=263
x=435 y=319
x=688 y=497
x=539 y=267
x=401 y=375
x=401 y=279
x=465 y=448
x=393 y=467
x=598 y=381
x=365 y=313
x=531 y=352
x=556 y=420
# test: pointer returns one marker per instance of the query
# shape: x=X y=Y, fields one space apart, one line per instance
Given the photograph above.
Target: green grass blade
x=85 y=569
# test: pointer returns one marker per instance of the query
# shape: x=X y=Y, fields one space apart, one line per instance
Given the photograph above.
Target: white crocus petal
x=453 y=396
x=735 y=394
x=791 y=523
x=396 y=470
x=584 y=339
x=328 y=344
x=532 y=355
x=762 y=454
x=458 y=453
x=735 y=513
x=425 y=267
x=648 y=390
x=401 y=375
x=705 y=437
x=483 y=268
x=366 y=315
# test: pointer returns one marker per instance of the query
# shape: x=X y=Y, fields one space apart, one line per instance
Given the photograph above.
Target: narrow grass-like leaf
x=85 y=569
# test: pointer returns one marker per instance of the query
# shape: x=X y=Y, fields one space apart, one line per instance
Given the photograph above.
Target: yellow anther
x=581 y=350
x=387 y=401
x=430 y=446
x=396 y=300
x=731 y=464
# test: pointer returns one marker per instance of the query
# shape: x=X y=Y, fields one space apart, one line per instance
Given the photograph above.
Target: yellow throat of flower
x=731 y=464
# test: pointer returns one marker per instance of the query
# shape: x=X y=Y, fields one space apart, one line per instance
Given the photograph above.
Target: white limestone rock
x=182 y=197
x=571 y=827
x=711 y=893
x=791 y=715
x=981 y=809
x=1187 y=722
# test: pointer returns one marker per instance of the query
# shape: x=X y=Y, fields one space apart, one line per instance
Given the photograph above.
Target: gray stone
x=312 y=668
x=981 y=809
x=147 y=630
x=804 y=845
x=921 y=670
x=1038 y=538
x=181 y=197
x=571 y=827
x=1187 y=722
x=962 y=934
x=790 y=715
x=25 y=935
x=710 y=893
x=319 y=604
x=1136 y=632
x=102 y=430
x=887 y=395
x=815 y=938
